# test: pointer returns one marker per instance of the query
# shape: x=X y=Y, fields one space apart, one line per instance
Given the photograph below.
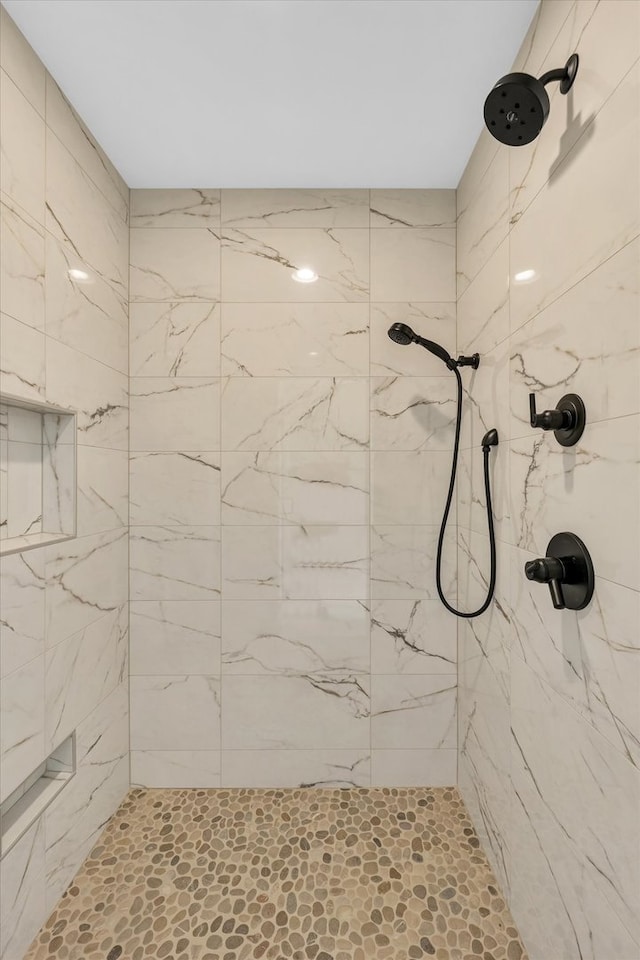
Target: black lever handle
x=548 y=419
x=549 y=570
x=567 y=420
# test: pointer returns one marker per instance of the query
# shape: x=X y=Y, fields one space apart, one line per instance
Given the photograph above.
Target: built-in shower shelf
x=37 y=474
x=31 y=798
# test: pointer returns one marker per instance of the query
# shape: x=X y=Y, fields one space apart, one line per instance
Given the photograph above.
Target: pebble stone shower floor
x=309 y=874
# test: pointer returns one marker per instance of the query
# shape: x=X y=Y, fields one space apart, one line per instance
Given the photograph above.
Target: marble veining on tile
x=257 y=264
x=295 y=339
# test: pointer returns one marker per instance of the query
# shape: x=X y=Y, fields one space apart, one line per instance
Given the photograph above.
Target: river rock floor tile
x=313 y=874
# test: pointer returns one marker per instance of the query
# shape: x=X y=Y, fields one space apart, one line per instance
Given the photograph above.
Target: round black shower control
x=567 y=420
x=568 y=570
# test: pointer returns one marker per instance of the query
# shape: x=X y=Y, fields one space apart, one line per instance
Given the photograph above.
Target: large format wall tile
x=167 y=635
x=577 y=789
x=413 y=208
x=582 y=32
x=483 y=220
x=586 y=342
x=295 y=563
x=23 y=259
x=258 y=265
x=403 y=563
x=412 y=264
x=412 y=413
x=561 y=910
x=84 y=311
x=296 y=768
x=22 y=625
x=295 y=208
x=23 y=902
x=174 y=488
x=64 y=242
x=22 y=363
x=175 y=264
x=22 y=166
x=295 y=488
x=174 y=768
x=413 y=768
x=412 y=636
x=22 y=746
x=607 y=458
x=73 y=822
x=472 y=500
x=175 y=713
x=174 y=413
x=596 y=667
x=175 y=339
x=77 y=138
x=297 y=404
x=413 y=711
x=296 y=413
x=484 y=714
x=296 y=713
x=175 y=208
x=483 y=308
x=81 y=671
x=103 y=489
x=175 y=563
x=548 y=263
x=295 y=637
x=295 y=339
x=408 y=486
x=603 y=168
x=86 y=578
x=98 y=393
x=81 y=218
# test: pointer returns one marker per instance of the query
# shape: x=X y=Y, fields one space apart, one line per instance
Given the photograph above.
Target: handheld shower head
x=403 y=334
x=518 y=106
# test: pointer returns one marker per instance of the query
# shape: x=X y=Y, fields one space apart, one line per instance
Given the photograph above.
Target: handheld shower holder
x=472 y=361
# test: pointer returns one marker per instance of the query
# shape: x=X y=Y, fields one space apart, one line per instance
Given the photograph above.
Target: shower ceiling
x=279 y=93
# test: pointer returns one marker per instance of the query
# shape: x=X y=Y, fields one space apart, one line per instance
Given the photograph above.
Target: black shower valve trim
x=567 y=569
x=567 y=420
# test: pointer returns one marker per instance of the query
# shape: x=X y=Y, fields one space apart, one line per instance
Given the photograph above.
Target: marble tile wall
x=63 y=340
x=549 y=724
x=287 y=471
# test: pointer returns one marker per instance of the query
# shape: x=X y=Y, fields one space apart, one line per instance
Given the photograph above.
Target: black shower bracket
x=472 y=361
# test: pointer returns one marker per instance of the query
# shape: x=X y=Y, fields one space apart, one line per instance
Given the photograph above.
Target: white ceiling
x=279 y=93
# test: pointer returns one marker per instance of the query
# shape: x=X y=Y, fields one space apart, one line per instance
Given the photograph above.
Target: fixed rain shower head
x=518 y=106
x=403 y=334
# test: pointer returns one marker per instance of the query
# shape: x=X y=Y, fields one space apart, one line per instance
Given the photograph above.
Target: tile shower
x=250 y=602
x=268 y=427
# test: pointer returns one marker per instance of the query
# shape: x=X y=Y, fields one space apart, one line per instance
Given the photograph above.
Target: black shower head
x=403 y=334
x=518 y=106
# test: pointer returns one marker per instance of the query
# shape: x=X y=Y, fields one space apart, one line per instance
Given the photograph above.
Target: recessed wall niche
x=37 y=474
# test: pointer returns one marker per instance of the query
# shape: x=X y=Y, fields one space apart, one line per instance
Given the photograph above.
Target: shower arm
x=552 y=75
x=566 y=75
